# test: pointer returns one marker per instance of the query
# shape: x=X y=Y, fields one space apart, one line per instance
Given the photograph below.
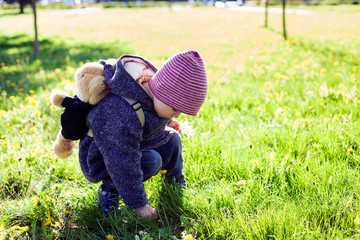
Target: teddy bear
x=91 y=89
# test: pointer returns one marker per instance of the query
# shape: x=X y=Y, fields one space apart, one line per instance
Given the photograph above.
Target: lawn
x=273 y=154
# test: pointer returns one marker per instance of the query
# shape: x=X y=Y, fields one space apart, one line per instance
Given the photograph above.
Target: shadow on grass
x=89 y=222
x=19 y=67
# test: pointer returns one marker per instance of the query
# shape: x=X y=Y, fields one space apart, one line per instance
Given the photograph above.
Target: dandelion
x=3 y=136
x=20 y=229
x=350 y=150
x=221 y=127
x=187 y=129
x=241 y=183
x=260 y=110
x=3 y=144
x=5 y=68
x=279 y=111
x=48 y=216
x=162 y=172
x=34 y=103
x=31 y=91
x=110 y=237
x=188 y=237
x=47 y=223
x=11 y=97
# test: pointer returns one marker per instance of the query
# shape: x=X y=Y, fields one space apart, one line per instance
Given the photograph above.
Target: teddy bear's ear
x=90 y=68
x=57 y=97
x=98 y=89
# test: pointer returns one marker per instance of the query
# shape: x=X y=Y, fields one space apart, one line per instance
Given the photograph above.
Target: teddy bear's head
x=90 y=83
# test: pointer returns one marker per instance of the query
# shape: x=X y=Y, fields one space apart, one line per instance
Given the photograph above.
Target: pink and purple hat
x=181 y=82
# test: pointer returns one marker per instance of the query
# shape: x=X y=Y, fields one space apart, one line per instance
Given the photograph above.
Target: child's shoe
x=180 y=181
x=108 y=200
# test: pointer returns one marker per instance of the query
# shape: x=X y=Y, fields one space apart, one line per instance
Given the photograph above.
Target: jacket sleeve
x=117 y=132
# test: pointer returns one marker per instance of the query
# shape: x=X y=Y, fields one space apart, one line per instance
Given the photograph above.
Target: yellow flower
x=162 y=172
x=36 y=203
x=260 y=109
x=47 y=223
x=31 y=91
x=5 y=68
x=350 y=150
x=58 y=70
x=3 y=137
x=221 y=126
x=4 y=143
x=33 y=103
x=110 y=237
x=241 y=183
x=188 y=237
x=12 y=97
x=20 y=229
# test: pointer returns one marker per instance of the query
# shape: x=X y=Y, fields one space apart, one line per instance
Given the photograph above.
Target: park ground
x=273 y=154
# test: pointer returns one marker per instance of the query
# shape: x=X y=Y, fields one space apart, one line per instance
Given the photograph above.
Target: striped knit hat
x=181 y=82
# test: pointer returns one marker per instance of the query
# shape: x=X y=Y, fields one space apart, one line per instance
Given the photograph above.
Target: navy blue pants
x=167 y=157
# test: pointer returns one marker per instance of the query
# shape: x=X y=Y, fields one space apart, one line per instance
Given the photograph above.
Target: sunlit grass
x=273 y=154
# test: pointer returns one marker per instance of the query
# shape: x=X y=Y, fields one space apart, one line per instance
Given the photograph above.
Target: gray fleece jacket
x=115 y=149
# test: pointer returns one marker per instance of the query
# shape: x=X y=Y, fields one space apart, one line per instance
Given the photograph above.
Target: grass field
x=273 y=154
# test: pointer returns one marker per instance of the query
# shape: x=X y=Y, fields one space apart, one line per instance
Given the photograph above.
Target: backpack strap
x=135 y=104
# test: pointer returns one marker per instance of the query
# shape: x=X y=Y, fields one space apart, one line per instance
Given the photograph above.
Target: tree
x=266 y=13
x=36 y=41
x=284 y=19
x=22 y=4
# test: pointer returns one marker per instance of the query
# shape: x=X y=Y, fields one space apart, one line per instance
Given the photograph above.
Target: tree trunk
x=266 y=13
x=22 y=5
x=284 y=19
x=36 y=41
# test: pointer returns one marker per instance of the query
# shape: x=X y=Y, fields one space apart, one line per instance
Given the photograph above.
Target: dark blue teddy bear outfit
x=122 y=154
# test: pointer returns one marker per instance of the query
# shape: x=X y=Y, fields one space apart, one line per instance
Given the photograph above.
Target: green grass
x=275 y=154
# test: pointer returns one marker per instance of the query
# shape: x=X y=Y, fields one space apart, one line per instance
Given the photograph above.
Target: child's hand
x=175 y=125
x=147 y=212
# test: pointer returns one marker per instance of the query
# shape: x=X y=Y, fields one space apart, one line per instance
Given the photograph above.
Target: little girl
x=120 y=152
